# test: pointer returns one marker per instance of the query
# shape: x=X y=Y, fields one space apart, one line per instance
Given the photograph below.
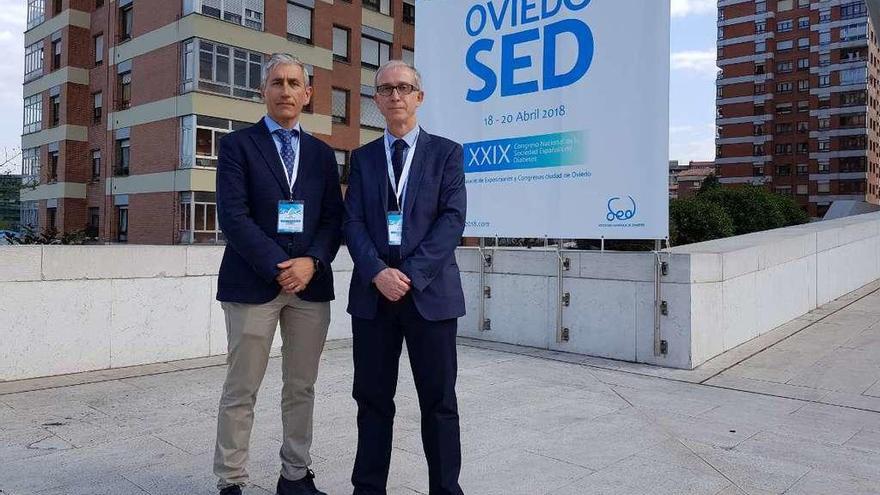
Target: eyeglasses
x=402 y=89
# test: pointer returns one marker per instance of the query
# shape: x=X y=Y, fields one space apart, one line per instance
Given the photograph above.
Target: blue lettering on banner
x=549 y=150
x=498 y=14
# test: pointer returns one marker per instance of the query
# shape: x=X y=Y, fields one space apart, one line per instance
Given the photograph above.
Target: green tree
x=752 y=208
x=697 y=219
x=710 y=183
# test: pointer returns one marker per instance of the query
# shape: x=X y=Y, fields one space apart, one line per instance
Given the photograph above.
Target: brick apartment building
x=685 y=180
x=797 y=101
x=125 y=101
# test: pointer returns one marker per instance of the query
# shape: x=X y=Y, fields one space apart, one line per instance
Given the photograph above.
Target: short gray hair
x=278 y=59
x=393 y=64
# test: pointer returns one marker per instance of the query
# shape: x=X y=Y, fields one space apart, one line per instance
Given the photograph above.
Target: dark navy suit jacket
x=250 y=182
x=433 y=222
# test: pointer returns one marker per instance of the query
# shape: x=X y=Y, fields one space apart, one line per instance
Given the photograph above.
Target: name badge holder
x=291 y=217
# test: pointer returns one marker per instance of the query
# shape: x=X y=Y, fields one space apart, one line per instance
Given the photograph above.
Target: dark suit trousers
x=432 y=356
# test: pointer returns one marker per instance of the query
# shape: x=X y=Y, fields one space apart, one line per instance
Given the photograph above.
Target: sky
x=692 y=88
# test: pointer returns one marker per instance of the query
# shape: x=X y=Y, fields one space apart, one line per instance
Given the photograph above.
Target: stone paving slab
x=800 y=416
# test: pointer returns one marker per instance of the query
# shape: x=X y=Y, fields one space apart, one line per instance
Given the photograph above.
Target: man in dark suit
x=280 y=208
x=405 y=214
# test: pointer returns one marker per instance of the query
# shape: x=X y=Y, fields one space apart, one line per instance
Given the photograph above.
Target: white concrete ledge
x=80 y=308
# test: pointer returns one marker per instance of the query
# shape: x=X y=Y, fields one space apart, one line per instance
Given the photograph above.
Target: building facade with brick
x=797 y=99
x=125 y=101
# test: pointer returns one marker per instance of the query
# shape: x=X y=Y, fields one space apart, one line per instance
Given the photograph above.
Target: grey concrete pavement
x=801 y=416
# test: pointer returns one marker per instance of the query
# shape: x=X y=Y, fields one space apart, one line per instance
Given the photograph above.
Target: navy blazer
x=250 y=182
x=433 y=223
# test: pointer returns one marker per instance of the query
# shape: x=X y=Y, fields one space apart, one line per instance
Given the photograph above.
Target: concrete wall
x=66 y=309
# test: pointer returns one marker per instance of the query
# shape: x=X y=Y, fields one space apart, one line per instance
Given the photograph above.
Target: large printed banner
x=562 y=107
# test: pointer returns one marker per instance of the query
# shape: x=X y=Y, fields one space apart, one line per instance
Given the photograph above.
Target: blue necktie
x=287 y=154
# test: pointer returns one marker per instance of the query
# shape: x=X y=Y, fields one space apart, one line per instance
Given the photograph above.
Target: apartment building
x=125 y=101
x=797 y=99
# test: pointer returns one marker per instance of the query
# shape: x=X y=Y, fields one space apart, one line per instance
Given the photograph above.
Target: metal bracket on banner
x=661 y=307
x=484 y=324
x=564 y=299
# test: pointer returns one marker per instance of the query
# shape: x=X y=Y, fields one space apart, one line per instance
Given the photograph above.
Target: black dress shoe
x=304 y=486
x=231 y=490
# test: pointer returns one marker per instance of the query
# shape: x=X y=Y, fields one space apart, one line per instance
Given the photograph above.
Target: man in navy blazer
x=280 y=208
x=405 y=214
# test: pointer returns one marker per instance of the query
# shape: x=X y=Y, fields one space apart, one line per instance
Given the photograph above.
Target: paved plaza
x=796 y=411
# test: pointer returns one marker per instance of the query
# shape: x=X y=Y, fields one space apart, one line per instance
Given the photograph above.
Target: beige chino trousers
x=250 y=329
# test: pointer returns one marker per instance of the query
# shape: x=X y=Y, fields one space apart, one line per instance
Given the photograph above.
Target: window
x=341 y=37
x=757 y=170
x=854 y=9
x=122 y=223
x=758 y=129
x=54 y=110
x=56 y=7
x=30 y=166
x=409 y=56
x=33 y=114
x=96 y=164
x=760 y=26
x=374 y=52
x=53 y=166
x=853 y=76
x=200 y=139
x=784 y=87
x=803 y=148
x=33 y=61
x=824 y=122
x=803 y=22
x=123 y=157
x=803 y=189
x=804 y=85
x=783 y=190
x=760 y=88
x=802 y=169
x=247 y=13
x=851 y=98
x=803 y=3
x=409 y=12
x=94 y=222
x=299 y=21
x=784 y=46
x=784 y=149
x=784 y=67
x=824 y=145
x=760 y=46
x=854 y=32
x=720 y=32
x=803 y=64
x=784 y=26
x=759 y=68
x=370 y=115
x=803 y=106
x=222 y=69
x=198 y=218
x=98 y=106
x=126 y=16
x=803 y=43
x=52 y=219
x=123 y=91
x=340 y=106
x=56 y=54
x=35 y=13
x=824 y=59
x=381 y=6
x=825 y=38
x=342 y=165
x=760 y=6
x=823 y=187
x=824 y=167
x=757 y=149
x=99 y=49
x=824 y=16
x=784 y=5
x=824 y=80
x=853 y=142
x=803 y=126
x=783 y=108
x=784 y=128
x=852 y=120
x=29 y=214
